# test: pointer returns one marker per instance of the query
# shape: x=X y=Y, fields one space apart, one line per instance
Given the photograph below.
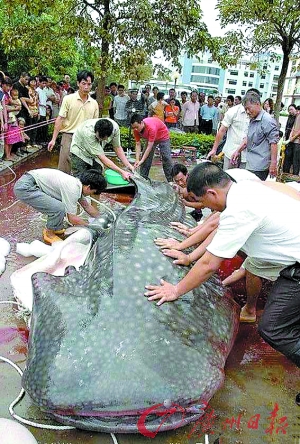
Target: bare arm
x=110 y=164
x=236 y=154
x=137 y=151
x=90 y=209
x=203 y=230
x=57 y=127
x=76 y=220
x=219 y=137
x=147 y=152
x=273 y=164
x=186 y=259
x=201 y=272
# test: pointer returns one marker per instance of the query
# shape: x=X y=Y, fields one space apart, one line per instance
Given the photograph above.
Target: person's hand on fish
x=137 y=164
x=165 y=292
x=167 y=243
x=180 y=257
x=131 y=168
x=181 y=228
x=126 y=175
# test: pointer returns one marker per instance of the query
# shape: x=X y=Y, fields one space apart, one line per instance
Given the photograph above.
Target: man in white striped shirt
x=235 y=124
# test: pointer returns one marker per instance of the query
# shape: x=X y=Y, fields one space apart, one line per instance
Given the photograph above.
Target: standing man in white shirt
x=190 y=114
x=235 y=126
x=42 y=93
x=119 y=104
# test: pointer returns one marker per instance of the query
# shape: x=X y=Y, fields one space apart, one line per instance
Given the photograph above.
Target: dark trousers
x=296 y=158
x=292 y=157
x=32 y=133
x=42 y=134
x=288 y=158
x=261 y=174
x=165 y=152
x=206 y=126
x=280 y=323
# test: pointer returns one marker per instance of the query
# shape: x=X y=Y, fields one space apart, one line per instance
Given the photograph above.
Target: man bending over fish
x=56 y=194
x=249 y=221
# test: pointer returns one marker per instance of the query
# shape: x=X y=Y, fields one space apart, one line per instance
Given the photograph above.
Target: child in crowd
x=20 y=147
x=13 y=133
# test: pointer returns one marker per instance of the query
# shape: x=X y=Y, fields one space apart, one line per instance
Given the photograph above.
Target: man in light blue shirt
x=208 y=113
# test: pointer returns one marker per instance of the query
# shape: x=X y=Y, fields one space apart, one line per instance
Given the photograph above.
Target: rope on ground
x=22 y=394
x=12 y=180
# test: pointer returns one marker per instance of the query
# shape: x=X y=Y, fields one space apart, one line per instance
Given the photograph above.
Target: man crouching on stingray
x=56 y=194
x=249 y=221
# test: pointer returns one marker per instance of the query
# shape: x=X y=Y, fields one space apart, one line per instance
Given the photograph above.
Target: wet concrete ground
x=256 y=377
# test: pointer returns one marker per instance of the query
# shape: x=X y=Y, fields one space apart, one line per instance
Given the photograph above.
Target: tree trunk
x=281 y=80
x=104 y=56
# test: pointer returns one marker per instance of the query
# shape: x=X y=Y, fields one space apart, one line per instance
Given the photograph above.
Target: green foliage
x=261 y=26
x=116 y=39
x=202 y=142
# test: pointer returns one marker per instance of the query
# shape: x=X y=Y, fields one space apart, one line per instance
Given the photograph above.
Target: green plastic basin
x=114 y=178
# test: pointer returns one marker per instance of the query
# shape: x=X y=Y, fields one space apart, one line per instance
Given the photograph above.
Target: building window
x=251 y=74
x=232 y=82
x=263 y=76
x=265 y=67
x=262 y=85
x=230 y=91
x=246 y=73
x=206 y=70
x=276 y=68
x=209 y=60
x=244 y=83
x=275 y=78
x=234 y=72
x=250 y=84
x=243 y=92
x=204 y=79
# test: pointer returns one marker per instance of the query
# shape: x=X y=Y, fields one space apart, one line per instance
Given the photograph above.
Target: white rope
x=22 y=394
x=105 y=206
x=5 y=185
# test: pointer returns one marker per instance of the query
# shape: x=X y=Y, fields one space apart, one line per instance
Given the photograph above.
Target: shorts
x=263 y=269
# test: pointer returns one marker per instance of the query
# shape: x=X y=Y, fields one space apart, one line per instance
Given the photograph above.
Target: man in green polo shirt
x=87 y=147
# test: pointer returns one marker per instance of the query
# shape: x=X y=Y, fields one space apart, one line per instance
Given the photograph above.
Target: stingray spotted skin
x=100 y=353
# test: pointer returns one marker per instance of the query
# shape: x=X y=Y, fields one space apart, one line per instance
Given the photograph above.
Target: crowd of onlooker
x=32 y=103
x=191 y=112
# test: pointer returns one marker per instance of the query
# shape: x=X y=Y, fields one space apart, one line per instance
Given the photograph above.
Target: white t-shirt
x=42 y=101
x=236 y=121
x=59 y=185
x=260 y=221
x=239 y=174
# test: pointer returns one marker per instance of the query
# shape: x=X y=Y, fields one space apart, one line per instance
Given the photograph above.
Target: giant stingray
x=100 y=354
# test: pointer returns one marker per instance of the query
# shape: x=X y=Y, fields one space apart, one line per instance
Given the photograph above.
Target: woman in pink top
x=156 y=133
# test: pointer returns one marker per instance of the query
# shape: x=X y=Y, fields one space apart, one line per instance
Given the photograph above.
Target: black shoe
x=19 y=153
x=297 y=400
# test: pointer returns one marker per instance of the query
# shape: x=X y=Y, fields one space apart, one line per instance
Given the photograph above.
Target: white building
x=206 y=75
